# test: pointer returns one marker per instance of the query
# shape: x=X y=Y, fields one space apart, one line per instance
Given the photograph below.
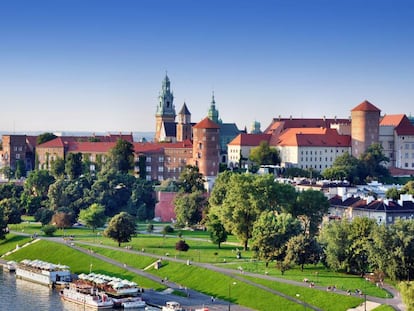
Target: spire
x=213 y=113
x=166 y=99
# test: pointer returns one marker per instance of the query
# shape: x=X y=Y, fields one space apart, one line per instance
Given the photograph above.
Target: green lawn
x=201 y=250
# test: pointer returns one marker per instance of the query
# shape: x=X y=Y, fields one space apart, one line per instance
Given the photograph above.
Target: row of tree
x=70 y=192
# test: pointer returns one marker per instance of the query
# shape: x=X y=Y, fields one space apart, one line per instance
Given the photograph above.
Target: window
x=407 y=146
x=200 y=146
x=17 y=156
x=160 y=177
x=148 y=159
x=161 y=159
x=148 y=168
x=148 y=178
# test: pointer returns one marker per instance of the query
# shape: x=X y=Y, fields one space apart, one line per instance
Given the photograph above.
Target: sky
x=98 y=65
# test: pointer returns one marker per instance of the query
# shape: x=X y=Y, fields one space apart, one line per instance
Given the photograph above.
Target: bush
x=167 y=229
x=150 y=228
x=182 y=246
x=49 y=230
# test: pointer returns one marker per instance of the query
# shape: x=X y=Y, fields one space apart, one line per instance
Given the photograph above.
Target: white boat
x=10 y=266
x=113 y=286
x=86 y=296
x=135 y=302
x=43 y=272
x=172 y=306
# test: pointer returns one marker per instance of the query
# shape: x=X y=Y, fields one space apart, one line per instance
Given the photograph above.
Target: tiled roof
x=54 y=143
x=228 y=129
x=181 y=144
x=405 y=127
x=206 y=123
x=278 y=125
x=317 y=137
x=391 y=120
x=147 y=147
x=366 y=106
x=90 y=147
x=244 y=139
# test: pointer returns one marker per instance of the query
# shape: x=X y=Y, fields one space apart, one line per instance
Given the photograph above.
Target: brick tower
x=206 y=148
x=364 y=127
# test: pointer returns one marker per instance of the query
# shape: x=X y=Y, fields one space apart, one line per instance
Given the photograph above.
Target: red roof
x=280 y=124
x=244 y=139
x=206 y=123
x=366 y=106
x=316 y=137
x=400 y=122
x=90 y=147
x=54 y=143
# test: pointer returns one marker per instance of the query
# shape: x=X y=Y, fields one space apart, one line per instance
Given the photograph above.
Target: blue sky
x=97 y=65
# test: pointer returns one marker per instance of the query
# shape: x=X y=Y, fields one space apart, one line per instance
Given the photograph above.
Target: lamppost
x=304 y=303
x=230 y=284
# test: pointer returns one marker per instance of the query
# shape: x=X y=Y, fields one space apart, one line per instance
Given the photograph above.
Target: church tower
x=184 y=124
x=165 y=110
x=213 y=113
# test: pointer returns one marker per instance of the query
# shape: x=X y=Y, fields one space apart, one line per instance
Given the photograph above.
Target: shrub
x=182 y=246
x=49 y=230
x=167 y=229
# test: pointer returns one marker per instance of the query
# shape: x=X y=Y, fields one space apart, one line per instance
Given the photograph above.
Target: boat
x=129 y=302
x=42 y=272
x=135 y=302
x=10 y=266
x=113 y=286
x=172 y=306
x=86 y=296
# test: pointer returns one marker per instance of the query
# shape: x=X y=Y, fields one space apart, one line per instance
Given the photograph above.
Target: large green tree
x=264 y=154
x=271 y=232
x=191 y=180
x=38 y=183
x=189 y=208
x=310 y=207
x=93 y=217
x=121 y=157
x=73 y=165
x=121 y=228
x=302 y=249
x=374 y=162
x=218 y=233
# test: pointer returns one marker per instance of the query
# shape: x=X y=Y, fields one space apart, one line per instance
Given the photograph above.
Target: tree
x=408 y=188
x=121 y=157
x=58 y=168
x=310 y=207
x=191 y=180
x=141 y=203
x=218 y=233
x=302 y=250
x=62 y=219
x=264 y=154
x=373 y=161
x=73 y=165
x=271 y=233
x=121 y=228
x=189 y=208
x=11 y=211
x=3 y=225
x=393 y=194
x=49 y=230
x=45 y=137
x=38 y=182
x=407 y=294
x=93 y=217
x=7 y=172
x=43 y=215
x=182 y=246
x=345 y=167
x=20 y=169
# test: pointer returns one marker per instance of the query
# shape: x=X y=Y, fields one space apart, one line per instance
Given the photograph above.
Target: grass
x=200 y=250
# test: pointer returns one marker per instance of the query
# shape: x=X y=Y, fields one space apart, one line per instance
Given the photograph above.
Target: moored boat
x=43 y=272
x=113 y=286
x=129 y=302
x=86 y=296
x=172 y=306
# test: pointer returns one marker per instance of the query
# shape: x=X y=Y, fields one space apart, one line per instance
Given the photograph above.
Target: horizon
x=98 y=65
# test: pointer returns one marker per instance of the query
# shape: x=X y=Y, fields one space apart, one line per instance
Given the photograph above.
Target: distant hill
x=138 y=136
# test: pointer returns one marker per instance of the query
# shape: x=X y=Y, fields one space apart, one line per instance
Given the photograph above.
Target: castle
x=302 y=142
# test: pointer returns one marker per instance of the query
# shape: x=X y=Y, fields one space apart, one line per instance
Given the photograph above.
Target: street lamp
x=304 y=303
x=230 y=284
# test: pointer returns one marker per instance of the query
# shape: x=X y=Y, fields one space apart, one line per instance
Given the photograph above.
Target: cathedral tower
x=165 y=109
x=184 y=124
